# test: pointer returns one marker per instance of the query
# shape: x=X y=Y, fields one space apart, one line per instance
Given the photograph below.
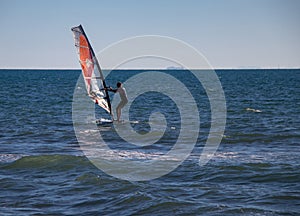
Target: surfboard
x=102 y=122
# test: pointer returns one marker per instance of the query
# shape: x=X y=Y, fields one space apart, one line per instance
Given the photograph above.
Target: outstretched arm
x=112 y=90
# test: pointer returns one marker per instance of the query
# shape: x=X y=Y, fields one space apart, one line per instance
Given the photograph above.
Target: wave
x=58 y=162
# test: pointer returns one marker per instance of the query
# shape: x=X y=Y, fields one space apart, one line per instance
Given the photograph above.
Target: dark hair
x=119 y=84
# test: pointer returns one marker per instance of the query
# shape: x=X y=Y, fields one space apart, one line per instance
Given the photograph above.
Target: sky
x=229 y=33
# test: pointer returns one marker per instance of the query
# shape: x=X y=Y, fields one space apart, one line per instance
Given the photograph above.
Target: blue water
x=255 y=171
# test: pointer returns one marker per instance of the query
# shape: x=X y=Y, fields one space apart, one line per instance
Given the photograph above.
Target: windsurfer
x=122 y=92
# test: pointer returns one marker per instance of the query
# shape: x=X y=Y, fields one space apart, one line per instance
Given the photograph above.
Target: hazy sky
x=229 y=33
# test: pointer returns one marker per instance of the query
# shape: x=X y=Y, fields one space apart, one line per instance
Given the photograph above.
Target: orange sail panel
x=86 y=61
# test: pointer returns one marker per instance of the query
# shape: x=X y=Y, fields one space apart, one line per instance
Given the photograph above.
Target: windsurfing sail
x=91 y=71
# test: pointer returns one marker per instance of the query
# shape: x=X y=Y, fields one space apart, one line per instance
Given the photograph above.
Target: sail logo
x=151 y=51
x=88 y=63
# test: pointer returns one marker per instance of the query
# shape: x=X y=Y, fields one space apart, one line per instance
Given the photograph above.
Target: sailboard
x=92 y=73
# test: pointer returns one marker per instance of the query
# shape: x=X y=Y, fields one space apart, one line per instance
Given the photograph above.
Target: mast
x=99 y=69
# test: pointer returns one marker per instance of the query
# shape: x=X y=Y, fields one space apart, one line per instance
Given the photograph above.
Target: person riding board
x=122 y=92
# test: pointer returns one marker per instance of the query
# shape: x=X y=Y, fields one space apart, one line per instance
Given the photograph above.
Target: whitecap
x=253 y=110
x=7 y=158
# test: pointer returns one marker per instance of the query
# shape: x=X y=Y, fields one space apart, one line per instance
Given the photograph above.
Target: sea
x=255 y=169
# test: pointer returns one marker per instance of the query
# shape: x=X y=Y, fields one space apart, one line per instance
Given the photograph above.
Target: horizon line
x=220 y=68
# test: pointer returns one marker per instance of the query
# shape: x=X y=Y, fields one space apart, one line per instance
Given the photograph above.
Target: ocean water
x=255 y=171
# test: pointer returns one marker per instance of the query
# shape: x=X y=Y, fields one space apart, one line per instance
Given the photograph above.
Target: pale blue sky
x=229 y=33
